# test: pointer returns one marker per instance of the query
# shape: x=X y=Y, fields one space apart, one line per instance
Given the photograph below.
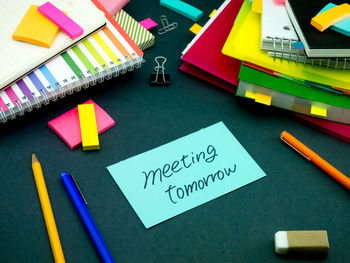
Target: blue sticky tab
x=298 y=45
x=342 y=26
x=183 y=8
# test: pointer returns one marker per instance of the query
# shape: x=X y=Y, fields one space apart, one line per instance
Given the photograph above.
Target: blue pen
x=80 y=205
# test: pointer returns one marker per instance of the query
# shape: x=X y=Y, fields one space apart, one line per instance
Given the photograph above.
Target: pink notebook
x=200 y=73
x=338 y=130
x=204 y=51
x=113 y=6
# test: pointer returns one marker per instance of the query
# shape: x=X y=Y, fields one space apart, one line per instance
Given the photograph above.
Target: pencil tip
x=34 y=159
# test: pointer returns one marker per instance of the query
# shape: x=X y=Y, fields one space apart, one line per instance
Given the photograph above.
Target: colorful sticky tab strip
x=333 y=15
x=76 y=64
x=36 y=29
x=183 y=8
x=212 y=13
x=64 y=22
x=88 y=127
x=195 y=28
x=250 y=95
x=342 y=26
x=263 y=99
x=148 y=23
x=319 y=111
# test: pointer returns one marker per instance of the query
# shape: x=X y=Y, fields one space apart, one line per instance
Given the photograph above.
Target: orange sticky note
x=257 y=6
x=195 y=28
x=331 y=16
x=263 y=99
x=36 y=29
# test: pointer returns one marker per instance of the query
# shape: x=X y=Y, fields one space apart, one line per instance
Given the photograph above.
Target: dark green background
x=237 y=227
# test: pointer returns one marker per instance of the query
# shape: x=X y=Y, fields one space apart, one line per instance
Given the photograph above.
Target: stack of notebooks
x=105 y=50
x=267 y=68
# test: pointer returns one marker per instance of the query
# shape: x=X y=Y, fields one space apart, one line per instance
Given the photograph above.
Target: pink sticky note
x=148 y=23
x=67 y=125
x=60 y=19
x=279 y=2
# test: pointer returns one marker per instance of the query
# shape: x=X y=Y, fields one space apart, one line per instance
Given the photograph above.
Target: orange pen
x=315 y=158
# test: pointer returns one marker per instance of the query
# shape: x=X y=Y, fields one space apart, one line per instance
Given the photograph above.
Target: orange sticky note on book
x=36 y=29
x=331 y=16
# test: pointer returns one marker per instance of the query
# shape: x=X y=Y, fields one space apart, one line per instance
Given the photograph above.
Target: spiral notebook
x=105 y=54
x=278 y=36
x=18 y=58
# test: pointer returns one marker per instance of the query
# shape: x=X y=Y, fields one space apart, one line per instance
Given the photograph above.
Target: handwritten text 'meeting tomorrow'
x=176 y=193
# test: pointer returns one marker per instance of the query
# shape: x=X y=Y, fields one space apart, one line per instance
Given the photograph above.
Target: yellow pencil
x=47 y=211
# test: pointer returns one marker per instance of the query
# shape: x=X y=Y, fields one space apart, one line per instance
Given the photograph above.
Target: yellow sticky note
x=36 y=29
x=212 y=13
x=263 y=99
x=319 y=111
x=250 y=95
x=331 y=16
x=257 y=6
x=88 y=127
x=195 y=28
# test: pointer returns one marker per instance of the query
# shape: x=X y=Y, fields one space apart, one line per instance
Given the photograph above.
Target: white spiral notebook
x=17 y=58
x=278 y=36
x=103 y=55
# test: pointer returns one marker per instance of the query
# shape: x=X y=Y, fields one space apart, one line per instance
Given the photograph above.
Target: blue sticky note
x=185 y=173
x=298 y=45
x=183 y=8
x=342 y=26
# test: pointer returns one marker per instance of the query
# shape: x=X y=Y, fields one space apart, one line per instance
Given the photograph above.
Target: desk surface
x=237 y=227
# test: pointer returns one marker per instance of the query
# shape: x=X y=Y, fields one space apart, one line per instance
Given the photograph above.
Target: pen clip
x=291 y=146
x=79 y=191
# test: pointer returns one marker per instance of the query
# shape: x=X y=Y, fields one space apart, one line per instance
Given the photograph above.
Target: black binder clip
x=166 y=26
x=158 y=76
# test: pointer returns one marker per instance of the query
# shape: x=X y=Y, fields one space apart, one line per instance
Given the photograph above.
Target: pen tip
x=34 y=159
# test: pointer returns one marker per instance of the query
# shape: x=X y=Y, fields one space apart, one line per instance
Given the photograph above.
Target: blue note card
x=185 y=173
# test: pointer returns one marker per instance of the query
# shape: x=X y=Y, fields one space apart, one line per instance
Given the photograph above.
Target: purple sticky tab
x=60 y=19
x=148 y=23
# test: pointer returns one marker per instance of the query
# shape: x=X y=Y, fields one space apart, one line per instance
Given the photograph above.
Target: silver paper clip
x=159 y=77
x=291 y=146
x=166 y=26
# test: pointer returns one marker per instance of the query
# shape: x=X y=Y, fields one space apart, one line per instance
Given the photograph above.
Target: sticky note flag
x=64 y=22
x=67 y=126
x=36 y=29
x=212 y=13
x=319 y=111
x=342 y=26
x=279 y=2
x=263 y=99
x=257 y=6
x=88 y=127
x=250 y=95
x=333 y=15
x=195 y=28
x=148 y=23
x=185 y=173
x=183 y=8
x=298 y=45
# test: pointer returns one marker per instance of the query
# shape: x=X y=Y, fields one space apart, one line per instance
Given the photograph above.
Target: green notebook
x=293 y=88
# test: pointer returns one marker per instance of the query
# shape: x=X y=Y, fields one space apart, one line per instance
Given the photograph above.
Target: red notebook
x=204 y=52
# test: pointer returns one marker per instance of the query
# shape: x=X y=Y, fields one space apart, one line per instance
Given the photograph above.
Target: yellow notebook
x=36 y=29
x=243 y=43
